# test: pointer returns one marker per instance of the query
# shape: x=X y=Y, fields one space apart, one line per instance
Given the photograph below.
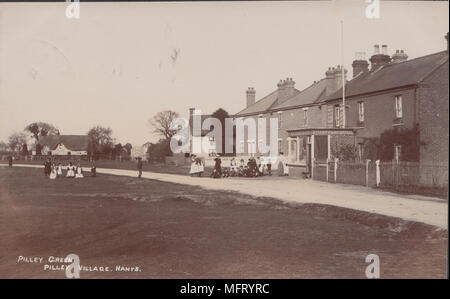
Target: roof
x=72 y=142
x=393 y=75
x=263 y=104
x=309 y=95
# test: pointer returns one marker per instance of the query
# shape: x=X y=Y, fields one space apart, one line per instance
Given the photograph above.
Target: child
x=59 y=171
x=70 y=171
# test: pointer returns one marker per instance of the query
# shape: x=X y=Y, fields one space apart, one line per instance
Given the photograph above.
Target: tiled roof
x=393 y=75
x=72 y=142
x=309 y=95
x=263 y=104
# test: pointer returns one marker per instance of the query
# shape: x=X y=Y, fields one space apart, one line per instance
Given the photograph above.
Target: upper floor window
x=280 y=119
x=398 y=106
x=337 y=116
x=361 y=111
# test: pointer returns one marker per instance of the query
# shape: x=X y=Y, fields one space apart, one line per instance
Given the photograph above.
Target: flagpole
x=343 y=75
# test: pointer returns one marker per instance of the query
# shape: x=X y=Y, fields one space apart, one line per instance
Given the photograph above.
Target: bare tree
x=162 y=123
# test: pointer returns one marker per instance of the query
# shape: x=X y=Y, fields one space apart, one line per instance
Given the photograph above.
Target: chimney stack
x=399 y=56
x=378 y=60
x=286 y=89
x=250 y=96
x=333 y=77
x=360 y=64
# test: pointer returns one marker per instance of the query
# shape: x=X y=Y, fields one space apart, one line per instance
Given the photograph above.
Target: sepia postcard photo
x=210 y=143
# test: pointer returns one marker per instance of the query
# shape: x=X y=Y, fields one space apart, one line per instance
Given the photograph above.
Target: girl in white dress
x=79 y=172
x=53 y=172
x=59 y=171
x=70 y=171
x=194 y=166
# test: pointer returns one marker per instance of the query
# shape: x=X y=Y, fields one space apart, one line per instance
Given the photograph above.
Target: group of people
x=255 y=167
x=53 y=170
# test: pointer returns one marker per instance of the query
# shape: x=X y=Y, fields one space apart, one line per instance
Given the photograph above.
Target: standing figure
x=283 y=168
x=93 y=169
x=217 y=171
x=260 y=166
x=53 y=175
x=233 y=167
x=139 y=167
x=47 y=167
x=59 y=171
x=70 y=171
x=194 y=166
x=200 y=166
x=269 y=165
x=79 y=172
x=10 y=161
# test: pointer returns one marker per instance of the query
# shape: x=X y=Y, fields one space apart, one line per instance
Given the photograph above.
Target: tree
x=3 y=147
x=221 y=115
x=128 y=148
x=100 y=140
x=16 y=141
x=162 y=123
x=157 y=151
x=38 y=129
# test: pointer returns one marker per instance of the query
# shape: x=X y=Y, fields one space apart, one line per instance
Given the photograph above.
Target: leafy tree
x=16 y=141
x=128 y=148
x=345 y=152
x=221 y=115
x=157 y=151
x=100 y=141
x=38 y=129
x=408 y=139
x=161 y=123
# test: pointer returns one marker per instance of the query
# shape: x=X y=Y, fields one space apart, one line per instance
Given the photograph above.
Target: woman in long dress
x=53 y=172
x=79 y=172
x=70 y=171
x=59 y=171
x=200 y=166
x=194 y=166
x=283 y=168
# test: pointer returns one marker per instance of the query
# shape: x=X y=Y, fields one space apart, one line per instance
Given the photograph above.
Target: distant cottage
x=63 y=145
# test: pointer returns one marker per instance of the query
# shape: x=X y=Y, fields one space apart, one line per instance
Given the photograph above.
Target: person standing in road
x=139 y=167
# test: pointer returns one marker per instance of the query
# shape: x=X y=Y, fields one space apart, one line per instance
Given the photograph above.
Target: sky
x=121 y=63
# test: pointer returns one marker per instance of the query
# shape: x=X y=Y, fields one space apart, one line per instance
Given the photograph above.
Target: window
x=337 y=116
x=279 y=145
x=280 y=114
x=361 y=111
x=305 y=117
x=398 y=107
x=397 y=152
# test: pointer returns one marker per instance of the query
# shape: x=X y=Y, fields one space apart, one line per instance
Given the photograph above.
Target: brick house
x=395 y=94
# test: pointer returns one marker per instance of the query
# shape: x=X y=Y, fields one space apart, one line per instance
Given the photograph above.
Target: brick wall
x=433 y=115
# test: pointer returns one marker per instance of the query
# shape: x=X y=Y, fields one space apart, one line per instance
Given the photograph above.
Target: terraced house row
x=396 y=109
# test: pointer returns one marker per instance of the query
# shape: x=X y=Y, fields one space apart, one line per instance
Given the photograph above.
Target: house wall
x=290 y=119
x=433 y=116
x=379 y=112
